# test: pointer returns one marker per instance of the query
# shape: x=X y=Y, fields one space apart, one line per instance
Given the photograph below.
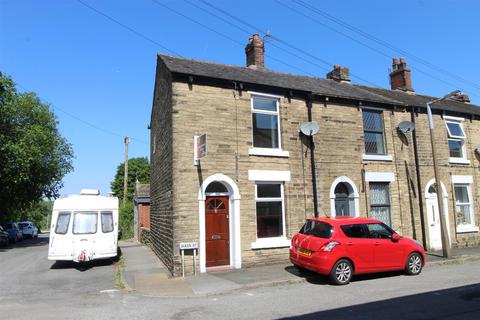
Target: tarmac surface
x=144 y=273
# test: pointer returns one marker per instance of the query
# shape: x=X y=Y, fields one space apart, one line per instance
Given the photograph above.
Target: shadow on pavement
x=315 y=278
x=454 y=303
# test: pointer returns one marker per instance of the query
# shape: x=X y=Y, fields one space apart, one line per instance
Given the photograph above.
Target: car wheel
x=414 y=264
x=342 y=272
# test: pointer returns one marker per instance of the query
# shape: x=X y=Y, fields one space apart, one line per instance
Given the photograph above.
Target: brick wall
x=143 y=218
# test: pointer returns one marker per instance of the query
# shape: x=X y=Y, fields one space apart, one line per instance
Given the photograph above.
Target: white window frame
x=272 y=242
x=376 y=156
x=459 y=121
x=386 y=177
x=272 y=152
x=465 y=181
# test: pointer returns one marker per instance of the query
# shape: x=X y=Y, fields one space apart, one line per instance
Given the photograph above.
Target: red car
x=343 y=246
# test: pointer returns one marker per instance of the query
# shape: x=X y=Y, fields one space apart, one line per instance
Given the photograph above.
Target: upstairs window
x=456 y=140
x=265 y=122
x=373 y=132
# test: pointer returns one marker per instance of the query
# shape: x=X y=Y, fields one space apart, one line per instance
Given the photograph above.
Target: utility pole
x=125 y=173
x=446 y=248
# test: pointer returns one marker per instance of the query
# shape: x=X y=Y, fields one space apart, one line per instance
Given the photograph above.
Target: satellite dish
x=406 y=126
x=477 y=149
x=309 y=128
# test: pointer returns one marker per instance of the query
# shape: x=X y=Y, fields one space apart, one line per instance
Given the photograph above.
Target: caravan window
x=107 y=221
x=85 y=223
x=62 y=223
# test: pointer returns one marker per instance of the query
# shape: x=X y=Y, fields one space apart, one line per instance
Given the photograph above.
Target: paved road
x=27 y=276
x=31 y=289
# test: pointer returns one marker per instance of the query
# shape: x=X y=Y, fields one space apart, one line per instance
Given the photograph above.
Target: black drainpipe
x=419 y=181
x=312 y=159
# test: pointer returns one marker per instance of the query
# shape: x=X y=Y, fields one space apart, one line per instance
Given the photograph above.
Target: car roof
x=341 y=221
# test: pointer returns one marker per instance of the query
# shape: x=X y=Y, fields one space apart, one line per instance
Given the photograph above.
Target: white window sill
x=465 y=229
x=268 y=152
x=459 y=161
x=265 y=243
x=377 y=157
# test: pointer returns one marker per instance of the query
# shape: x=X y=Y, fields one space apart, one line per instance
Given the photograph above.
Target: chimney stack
x=339 y=74
x=461 y=98
x=400 y=77
x=255 y=51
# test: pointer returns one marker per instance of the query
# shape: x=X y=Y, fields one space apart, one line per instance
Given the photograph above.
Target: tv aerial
x=309 y=128
x=406 y=126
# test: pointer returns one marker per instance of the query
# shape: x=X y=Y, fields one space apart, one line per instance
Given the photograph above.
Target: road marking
x=109 y=291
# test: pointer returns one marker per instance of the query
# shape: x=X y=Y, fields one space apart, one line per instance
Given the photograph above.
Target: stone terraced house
x=262 y=177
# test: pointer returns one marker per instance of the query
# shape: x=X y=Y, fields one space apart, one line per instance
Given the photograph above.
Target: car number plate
x=305 y=252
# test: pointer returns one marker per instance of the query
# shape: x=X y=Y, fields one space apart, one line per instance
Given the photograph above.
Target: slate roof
x=318 y=86
x=418 y=100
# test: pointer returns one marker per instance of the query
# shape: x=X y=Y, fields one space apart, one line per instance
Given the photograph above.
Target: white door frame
x=234 y=220
x=356 y=202
x=445 y=207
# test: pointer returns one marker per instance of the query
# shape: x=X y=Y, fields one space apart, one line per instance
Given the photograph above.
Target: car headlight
x=418 y=243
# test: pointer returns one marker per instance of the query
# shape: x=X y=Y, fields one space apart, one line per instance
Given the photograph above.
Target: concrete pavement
x=145 y=274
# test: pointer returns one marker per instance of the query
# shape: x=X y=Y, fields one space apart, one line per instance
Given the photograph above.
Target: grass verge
x=119 y=269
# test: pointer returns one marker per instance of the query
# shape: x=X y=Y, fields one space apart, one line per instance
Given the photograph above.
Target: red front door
x=217 y=231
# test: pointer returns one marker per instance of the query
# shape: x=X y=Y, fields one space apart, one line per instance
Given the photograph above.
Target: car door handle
x=377 y=243
x=349 y=244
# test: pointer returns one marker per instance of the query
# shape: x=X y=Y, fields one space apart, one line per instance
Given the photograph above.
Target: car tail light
x=329 y=246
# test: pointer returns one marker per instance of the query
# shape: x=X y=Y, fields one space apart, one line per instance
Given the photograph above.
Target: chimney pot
x=255 y=52
x=400 y=77
x=339 y=74
x=461 y=98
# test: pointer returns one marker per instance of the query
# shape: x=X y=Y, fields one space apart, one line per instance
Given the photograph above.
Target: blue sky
x=98 y=76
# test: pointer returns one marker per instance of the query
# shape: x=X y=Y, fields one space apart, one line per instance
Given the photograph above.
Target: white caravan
x=84 y=227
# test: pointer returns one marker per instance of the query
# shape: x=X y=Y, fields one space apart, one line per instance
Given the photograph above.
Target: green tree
x=34 y=157
x=138 y=169
x=38 y=213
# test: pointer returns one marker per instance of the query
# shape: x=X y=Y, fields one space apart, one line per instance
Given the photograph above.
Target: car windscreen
x=63 y=221
x=317 y=228
x=85 y=222
x=23 y=225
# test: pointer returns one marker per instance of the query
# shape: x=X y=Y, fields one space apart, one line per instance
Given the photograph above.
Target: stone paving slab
x=158 y=284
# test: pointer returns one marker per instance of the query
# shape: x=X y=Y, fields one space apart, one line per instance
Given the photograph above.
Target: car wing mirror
x=395 y=237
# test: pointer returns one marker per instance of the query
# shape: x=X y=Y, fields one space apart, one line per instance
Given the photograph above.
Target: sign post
x=199 y=148
x=189 y=246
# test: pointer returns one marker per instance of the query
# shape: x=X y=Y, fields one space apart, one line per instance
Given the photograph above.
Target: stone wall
x=161 y=168
x=225 y=116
